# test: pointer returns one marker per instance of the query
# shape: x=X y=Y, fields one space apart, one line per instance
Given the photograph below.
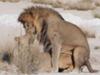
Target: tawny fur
x=59 y=33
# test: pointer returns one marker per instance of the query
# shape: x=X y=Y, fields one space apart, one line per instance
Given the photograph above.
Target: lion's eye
x=30 y=25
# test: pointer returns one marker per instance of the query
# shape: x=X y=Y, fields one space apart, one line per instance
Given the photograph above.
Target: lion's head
x=31 y=20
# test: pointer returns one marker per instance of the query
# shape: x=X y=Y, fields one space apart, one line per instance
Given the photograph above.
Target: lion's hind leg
x=81 y=58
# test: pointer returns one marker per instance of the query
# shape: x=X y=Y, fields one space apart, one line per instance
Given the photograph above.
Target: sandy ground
x=9 y=28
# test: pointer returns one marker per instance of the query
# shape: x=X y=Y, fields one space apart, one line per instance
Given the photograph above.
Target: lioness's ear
x=17 y=38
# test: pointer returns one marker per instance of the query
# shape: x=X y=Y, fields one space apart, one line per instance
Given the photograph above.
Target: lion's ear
x=17 y=38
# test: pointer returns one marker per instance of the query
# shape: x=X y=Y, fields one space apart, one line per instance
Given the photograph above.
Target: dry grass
x=96 y=12
x=97 y=15
x=80 y=5
x=54 y=4
x=66 y=4
x=97 y=47
x=97 y=2
x=8 y=67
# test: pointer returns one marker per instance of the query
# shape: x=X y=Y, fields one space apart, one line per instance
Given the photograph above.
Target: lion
x=54 y=32
x=28 y=40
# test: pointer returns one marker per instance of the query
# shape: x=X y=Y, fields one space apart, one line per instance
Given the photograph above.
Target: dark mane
x=43 y=36
x=42 y=10
x=44 y=39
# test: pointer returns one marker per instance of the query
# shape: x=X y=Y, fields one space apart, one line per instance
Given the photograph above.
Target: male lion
x=54 y=32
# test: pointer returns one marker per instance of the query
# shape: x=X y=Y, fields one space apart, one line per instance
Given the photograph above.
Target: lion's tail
x=90 y=67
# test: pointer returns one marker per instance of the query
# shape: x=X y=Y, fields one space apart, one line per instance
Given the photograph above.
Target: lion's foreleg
x=56 y=52
x=55 y=58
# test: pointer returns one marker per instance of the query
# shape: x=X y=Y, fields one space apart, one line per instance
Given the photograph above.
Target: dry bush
x=8 y=67
x=54 y=3
x=83 y=5
x=96 y=12
x=69 y=4
x=66 y=4
x=28 y=58
x=97 y=47
x=97 y=2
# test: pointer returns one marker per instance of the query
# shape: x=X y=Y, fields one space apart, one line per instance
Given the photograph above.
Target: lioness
x=54 y=32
